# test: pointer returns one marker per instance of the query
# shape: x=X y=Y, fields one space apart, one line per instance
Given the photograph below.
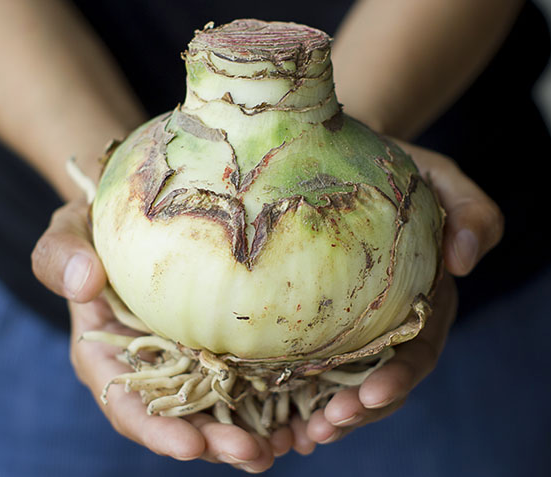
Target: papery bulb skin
x=257 y=219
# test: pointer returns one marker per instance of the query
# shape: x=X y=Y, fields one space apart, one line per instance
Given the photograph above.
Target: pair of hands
x=65 y=261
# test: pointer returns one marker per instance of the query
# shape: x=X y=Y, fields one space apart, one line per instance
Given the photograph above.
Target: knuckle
x=446 y=166
x=119 y=424
x=47 y=259
x=116 y=423
x=449 y=164
x=61 y=217
x=39 y=256
x=431 y=355
x=36 y=254
x=151 y=443
x=411 y=372
x=58 y=215
x=73 y=358
x=484 y=215
x=76 y=363
x=492 y=222
x=70 y=218
x=496 y=221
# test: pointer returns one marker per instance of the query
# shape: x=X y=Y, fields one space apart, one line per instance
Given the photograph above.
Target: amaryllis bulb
x=257 y=219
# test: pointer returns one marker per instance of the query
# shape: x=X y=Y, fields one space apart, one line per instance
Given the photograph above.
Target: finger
x=224 y=442
x=92 y=316
x=96 y=364
x=415 y=359
x=474 y=222
x=474 y=225
x=200 y=435
x=281 y=441
x=395 y=380
x=233 y=445
x=322 y=431
x=64 y=258
x=95 y=315
x=264 y=461
x=301 y=442
x=168 y=436
x=345 y=408
x=399 y=376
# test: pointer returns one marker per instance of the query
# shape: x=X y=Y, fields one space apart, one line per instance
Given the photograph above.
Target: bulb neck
x=261 y=66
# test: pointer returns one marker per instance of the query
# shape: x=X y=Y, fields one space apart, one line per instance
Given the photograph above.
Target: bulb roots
x=174 y=381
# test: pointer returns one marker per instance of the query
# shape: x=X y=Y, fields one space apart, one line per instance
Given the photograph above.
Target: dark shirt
x=494 y=131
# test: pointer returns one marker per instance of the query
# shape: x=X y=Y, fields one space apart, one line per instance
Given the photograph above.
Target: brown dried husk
x=258 y=394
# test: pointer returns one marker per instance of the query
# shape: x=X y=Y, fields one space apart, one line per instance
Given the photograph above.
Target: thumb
x=64 y=259
x=474 y=222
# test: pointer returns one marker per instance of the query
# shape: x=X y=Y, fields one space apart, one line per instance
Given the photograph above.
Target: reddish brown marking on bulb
x=335 y=122
x=256 y=170
x=227 y=172
x=266 y=221
x=381 y=162
x=368 y=257
x=341 y=201
x=253 y=40
x=108 y=152
x=220 y=208
x=149 y=180
x=324 y=303
x=405 y=205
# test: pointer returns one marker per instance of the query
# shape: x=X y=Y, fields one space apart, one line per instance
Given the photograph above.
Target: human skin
x=58 y=69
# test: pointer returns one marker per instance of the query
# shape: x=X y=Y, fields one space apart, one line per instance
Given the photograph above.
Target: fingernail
x=76 y=273
x=377 y=405
x=333 y=437
x=230 y=459
x=466 y=248
x=349 y=421
x=248 y=469
x=186 y=458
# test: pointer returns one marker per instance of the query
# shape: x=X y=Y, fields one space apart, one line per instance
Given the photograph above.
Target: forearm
x=60 y=92
x=400 y=63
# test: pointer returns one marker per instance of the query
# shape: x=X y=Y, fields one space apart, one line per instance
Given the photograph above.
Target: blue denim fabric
x=485 y=411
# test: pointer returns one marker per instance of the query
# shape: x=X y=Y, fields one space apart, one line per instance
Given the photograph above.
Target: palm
x=387 y=388
x=198 y=436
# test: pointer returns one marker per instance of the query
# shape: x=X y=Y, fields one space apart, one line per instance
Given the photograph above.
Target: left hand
x=65 y=261
x=474 y=225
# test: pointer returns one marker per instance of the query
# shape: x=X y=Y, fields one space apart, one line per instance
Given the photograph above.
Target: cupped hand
x=386 y=390
x=474 y=222
x=65 y=261
x=474 y=225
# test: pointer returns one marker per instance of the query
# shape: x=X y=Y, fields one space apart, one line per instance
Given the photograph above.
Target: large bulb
x=258 y=221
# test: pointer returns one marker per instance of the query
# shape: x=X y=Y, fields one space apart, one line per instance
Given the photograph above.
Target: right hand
x=65 y=261
x=474 y=225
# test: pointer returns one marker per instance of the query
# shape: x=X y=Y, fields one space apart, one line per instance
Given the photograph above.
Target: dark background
x=494 y=132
